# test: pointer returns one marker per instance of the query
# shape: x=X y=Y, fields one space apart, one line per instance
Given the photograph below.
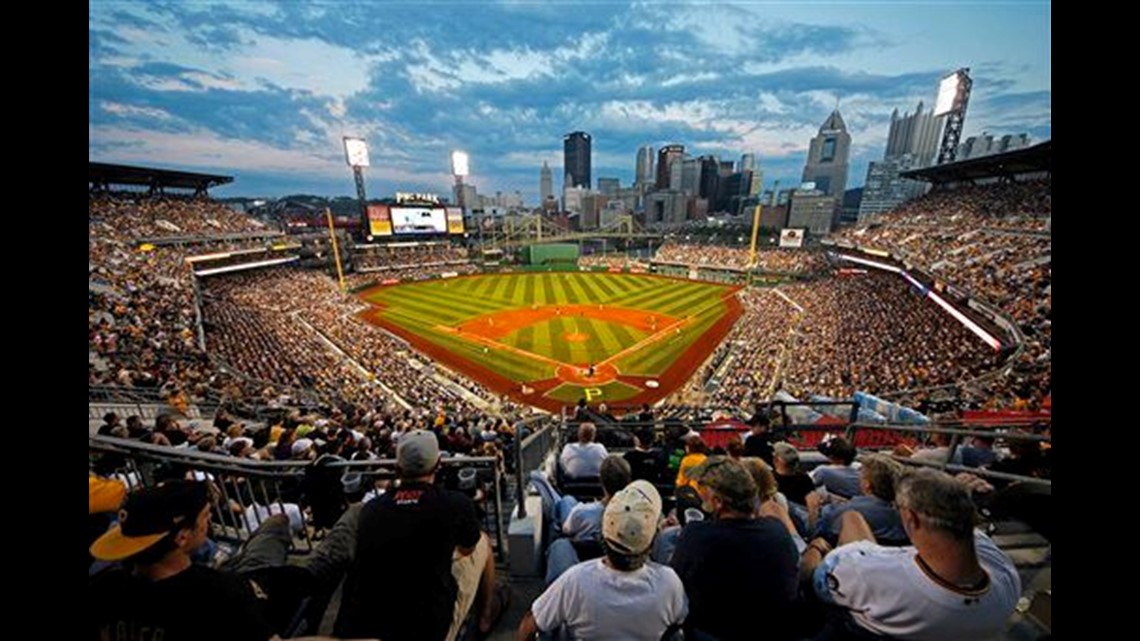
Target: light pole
x=460 y=169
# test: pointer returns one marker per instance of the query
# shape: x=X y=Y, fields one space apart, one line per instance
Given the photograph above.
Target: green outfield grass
x=602 y=339
x=433 y=309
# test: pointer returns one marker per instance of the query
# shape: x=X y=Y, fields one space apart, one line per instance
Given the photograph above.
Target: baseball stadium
x=691 y=405
x=293 y=362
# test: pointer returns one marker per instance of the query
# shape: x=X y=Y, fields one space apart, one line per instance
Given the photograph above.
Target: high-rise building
x=710 y=177
x=690 y=176
x=986 y=144
x=1009 y=142
x=676 y=173
x=644 y=166
x=748 y=162
x=609 y=186
x=545 y=184
x=827 y=157
x=666 y=206
x=885 y=189
x=572 y=198
x=917 y=134
x=576 y=159
x=734 y=191
x=666 y=156
x=465 y=196
x=912 y=143
x=813 y=210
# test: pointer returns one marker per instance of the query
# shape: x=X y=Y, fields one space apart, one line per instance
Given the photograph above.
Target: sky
x=266 y=91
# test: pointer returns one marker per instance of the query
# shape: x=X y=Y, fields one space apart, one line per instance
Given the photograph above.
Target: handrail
x=536 y=445
x=232 y=477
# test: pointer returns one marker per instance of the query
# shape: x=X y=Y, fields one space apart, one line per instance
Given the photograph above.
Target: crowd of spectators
x=787 y=261
x=385 y=258
x=269 y=334
x=139 y=216
x=140 y=317
x=274 y=324
x=864 y=332
x=873 y=332
x=753 y=349
x=619 y=261
x=990 y=242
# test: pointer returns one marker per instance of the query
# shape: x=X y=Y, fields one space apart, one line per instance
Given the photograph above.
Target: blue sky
x=265 y=91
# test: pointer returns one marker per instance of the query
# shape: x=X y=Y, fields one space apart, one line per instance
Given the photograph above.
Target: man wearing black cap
x=151 y=595
x=420 y=557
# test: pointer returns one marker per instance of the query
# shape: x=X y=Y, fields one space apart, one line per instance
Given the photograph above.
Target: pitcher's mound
x=576 y=337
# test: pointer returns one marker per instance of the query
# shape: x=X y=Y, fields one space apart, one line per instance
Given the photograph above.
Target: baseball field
x=548 y=339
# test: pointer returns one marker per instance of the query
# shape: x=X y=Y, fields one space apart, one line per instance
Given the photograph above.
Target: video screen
x=419 y=220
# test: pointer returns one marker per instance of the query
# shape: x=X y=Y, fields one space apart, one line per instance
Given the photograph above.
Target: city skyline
x=265 y=91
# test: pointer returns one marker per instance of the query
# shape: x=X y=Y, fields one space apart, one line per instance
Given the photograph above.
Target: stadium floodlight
x=947 y=94
x=356 y=152
x=459 y=163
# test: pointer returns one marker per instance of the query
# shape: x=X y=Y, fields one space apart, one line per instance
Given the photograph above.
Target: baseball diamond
x=548 y=339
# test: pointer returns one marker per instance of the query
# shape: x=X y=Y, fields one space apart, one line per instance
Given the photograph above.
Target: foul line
x=488 y=342
x=664 y=332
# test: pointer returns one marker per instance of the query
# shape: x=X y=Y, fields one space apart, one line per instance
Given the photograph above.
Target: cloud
x=506 y=80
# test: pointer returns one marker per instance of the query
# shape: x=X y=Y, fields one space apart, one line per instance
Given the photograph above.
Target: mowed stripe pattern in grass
x=428 y=308
x=602 y=339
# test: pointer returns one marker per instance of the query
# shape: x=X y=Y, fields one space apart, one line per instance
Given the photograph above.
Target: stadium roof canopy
x=104 y=176
x=1035 y=159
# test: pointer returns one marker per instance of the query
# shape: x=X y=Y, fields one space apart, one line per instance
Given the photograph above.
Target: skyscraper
x=917 y=134
x=748 y=162
x=576 y=159
x=545 y=184
x=912 y=143
x=827 y=157
x=710 y=177
x=665 y=159
x=644 y=166
x=690 y=176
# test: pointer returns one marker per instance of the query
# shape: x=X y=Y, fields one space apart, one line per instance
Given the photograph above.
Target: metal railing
x=531 y=451
x=146 y=402
x=246 y=488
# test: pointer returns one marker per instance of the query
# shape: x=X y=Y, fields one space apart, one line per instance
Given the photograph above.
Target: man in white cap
x=623 y=595
x=420 y=557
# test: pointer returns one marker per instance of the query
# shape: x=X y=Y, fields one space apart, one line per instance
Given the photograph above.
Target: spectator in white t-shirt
x=623 y=595
x=954 y=583
x=583 y=459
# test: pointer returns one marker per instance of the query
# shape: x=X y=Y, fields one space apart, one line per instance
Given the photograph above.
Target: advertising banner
x=792 y=238
x=379 y=220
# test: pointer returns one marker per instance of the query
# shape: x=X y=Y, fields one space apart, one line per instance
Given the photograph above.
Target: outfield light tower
x=953 y=98
x=356 y=154
x=460 y=168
